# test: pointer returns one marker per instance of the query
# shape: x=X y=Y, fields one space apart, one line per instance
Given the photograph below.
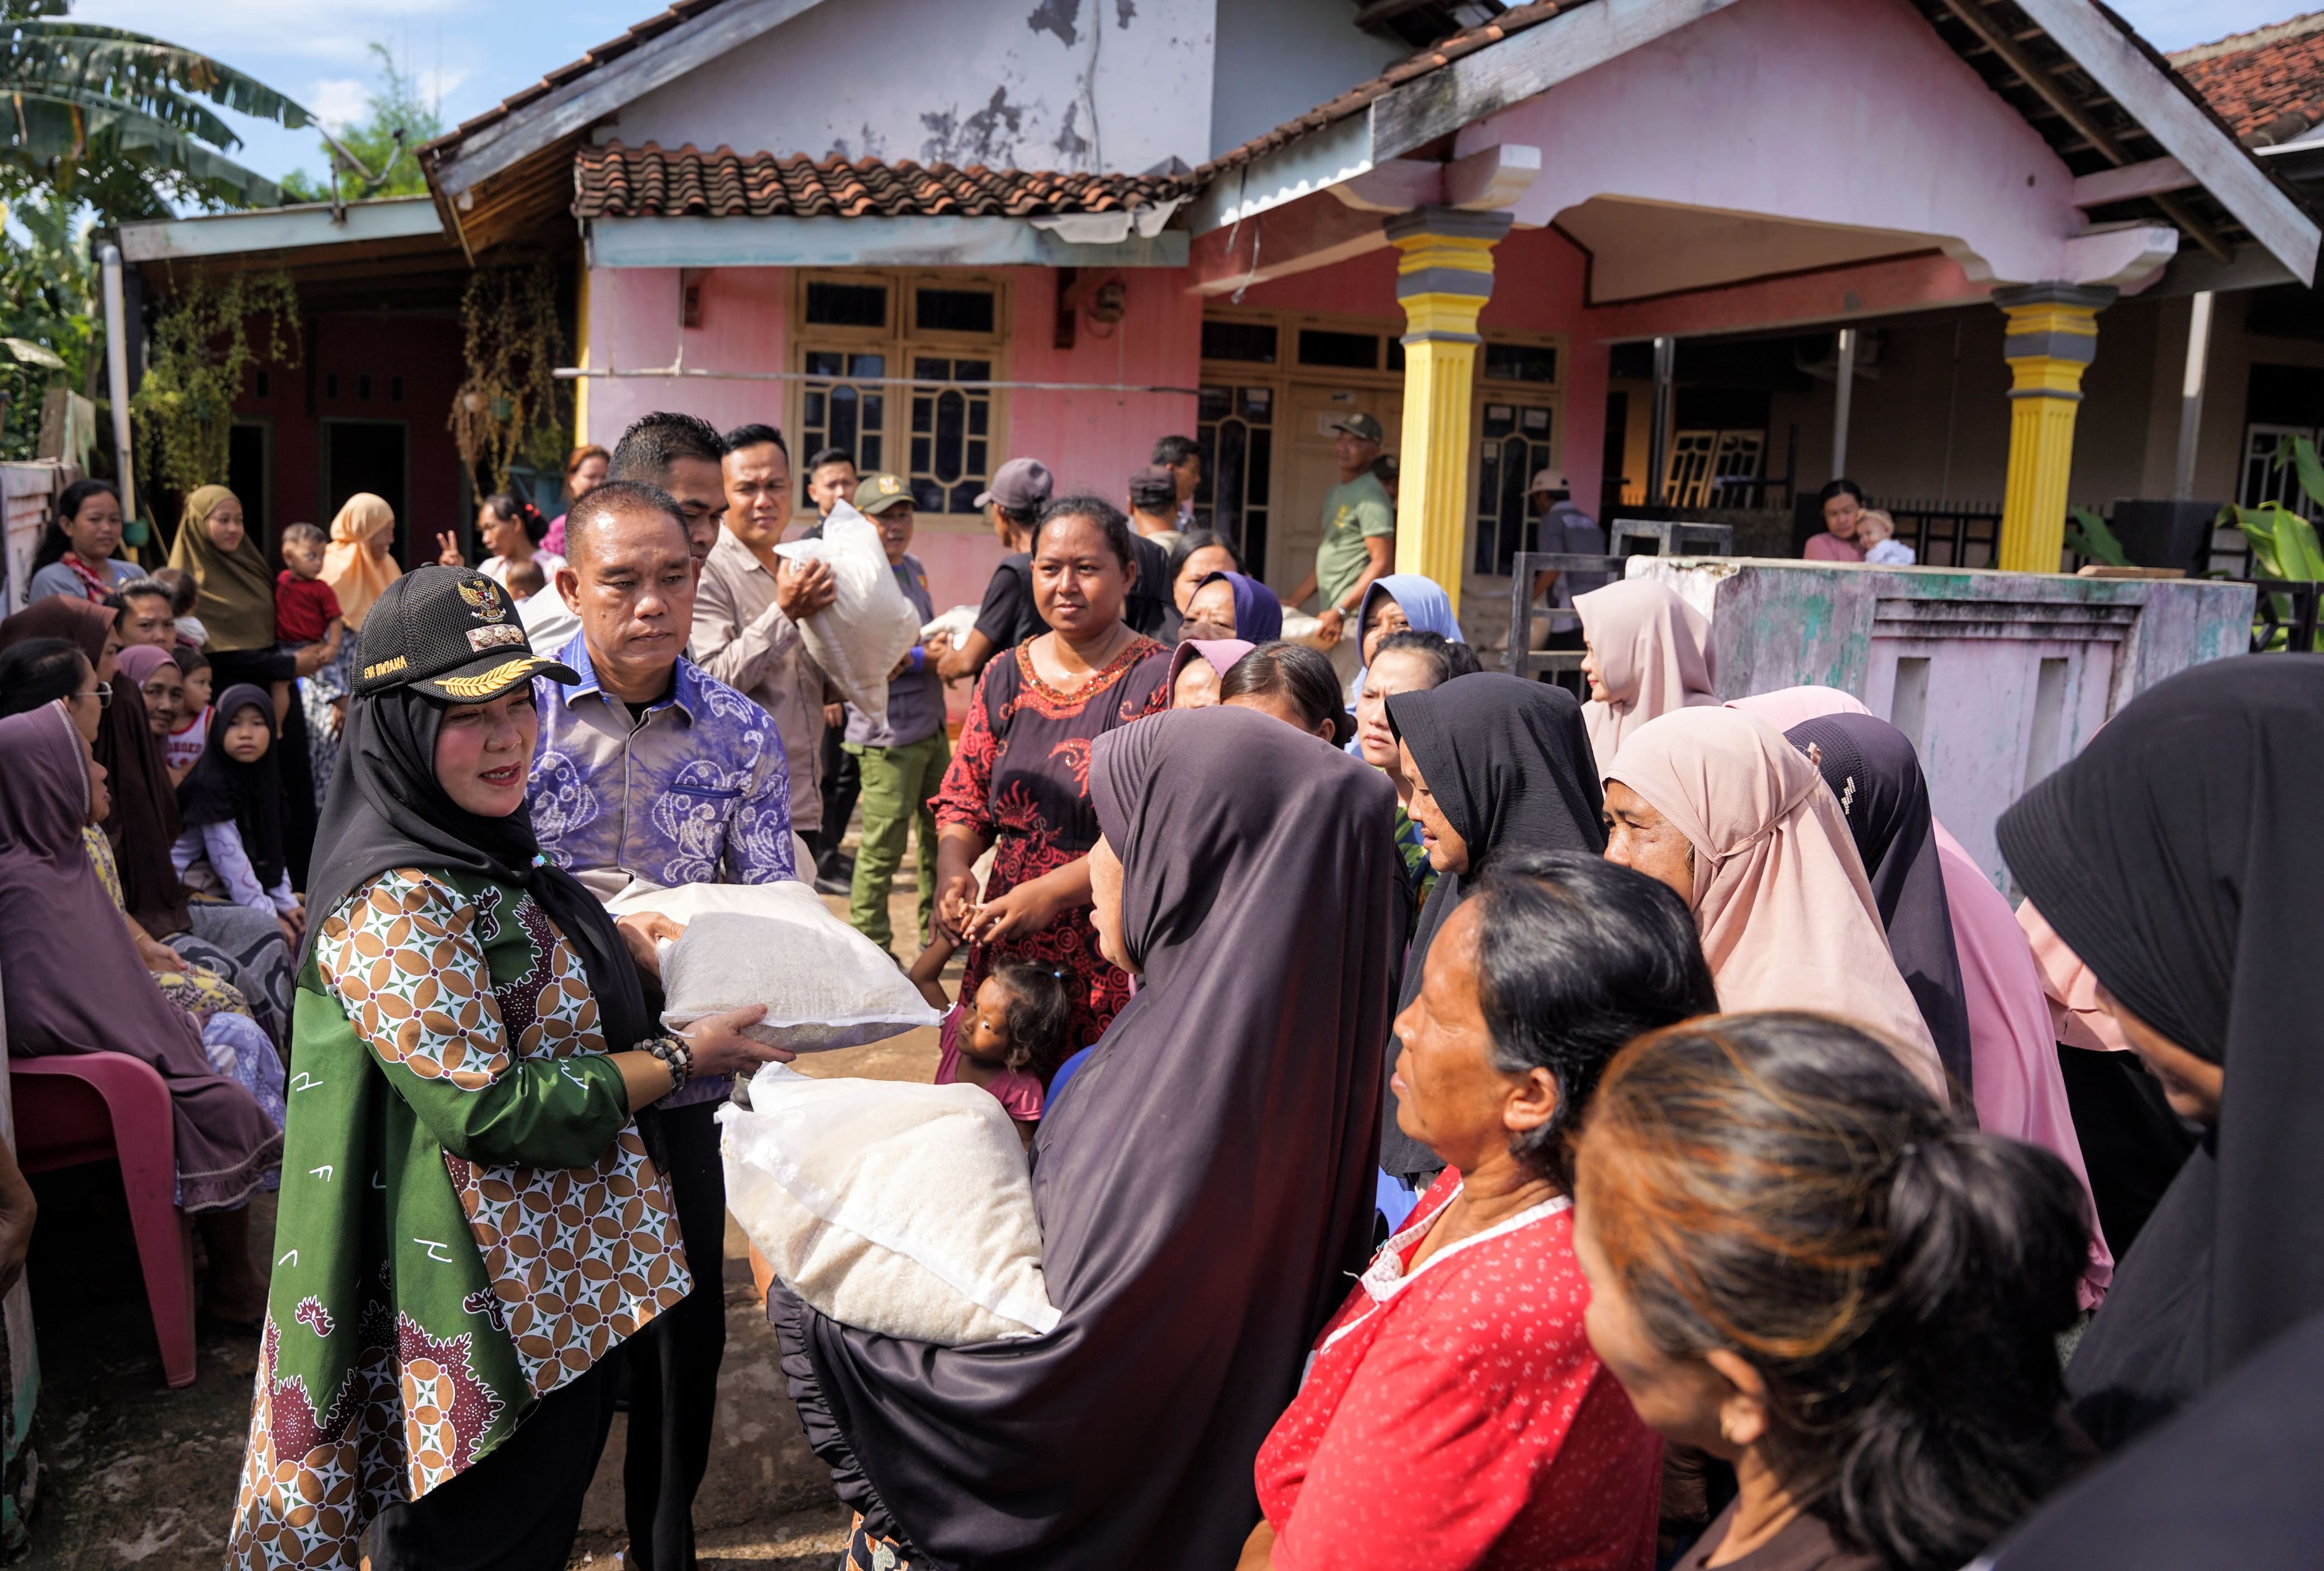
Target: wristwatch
x=677 y=1055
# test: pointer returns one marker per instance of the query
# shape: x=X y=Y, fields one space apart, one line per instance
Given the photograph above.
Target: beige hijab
x=1653 y=654
x=1787 y=917
x=237 y=591
x=354 y=573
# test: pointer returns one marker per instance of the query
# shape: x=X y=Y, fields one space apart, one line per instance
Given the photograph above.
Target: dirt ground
x=135 y=1475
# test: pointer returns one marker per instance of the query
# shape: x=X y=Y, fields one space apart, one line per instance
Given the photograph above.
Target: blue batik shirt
x=696 y=792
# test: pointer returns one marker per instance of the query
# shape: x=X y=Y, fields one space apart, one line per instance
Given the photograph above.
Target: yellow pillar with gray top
x=1445 y=276
x=2053 y=335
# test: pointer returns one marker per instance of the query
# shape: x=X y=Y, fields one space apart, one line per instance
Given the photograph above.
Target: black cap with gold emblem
x=452 y=633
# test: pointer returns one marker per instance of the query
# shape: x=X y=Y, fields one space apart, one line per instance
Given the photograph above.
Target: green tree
x=48 y=316
x=374 y=159
x=117 y=120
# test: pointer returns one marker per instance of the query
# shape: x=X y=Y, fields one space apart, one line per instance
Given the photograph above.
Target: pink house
x=1703 y=253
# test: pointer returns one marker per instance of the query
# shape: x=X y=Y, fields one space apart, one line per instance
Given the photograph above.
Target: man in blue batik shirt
x=650 y=770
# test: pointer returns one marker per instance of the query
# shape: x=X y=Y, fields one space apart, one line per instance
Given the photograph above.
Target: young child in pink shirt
x=1009 y=1038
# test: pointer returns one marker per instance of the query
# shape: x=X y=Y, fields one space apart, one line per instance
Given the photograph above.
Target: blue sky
x=469 y=56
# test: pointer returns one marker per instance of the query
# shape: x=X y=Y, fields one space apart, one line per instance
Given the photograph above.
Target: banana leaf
x=45 y=136
x=37 y=54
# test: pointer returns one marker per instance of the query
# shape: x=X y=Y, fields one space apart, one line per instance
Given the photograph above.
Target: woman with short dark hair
x=1841 y=504
x=1295 y=685
x=1021 y=779
x=1802 y=1266
x=1453 y=1415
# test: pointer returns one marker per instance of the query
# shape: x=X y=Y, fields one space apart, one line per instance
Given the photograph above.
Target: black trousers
x=519 y=1508
x=673 y=1362
x=843 y=783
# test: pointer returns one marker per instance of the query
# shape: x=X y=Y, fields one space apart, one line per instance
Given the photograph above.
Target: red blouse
x=1455 y=1417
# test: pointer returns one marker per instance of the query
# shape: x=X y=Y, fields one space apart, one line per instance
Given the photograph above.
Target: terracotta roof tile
x=615 y=181
x=2267 y=84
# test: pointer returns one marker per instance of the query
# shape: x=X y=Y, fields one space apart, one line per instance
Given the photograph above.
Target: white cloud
x=436 y=86
x=338 y=102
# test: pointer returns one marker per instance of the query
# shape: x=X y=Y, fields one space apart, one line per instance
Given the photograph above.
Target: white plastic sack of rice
x=896 y=1208
x=1298 y=628
x=955 y=625
x=860 y=636
x=825 y=985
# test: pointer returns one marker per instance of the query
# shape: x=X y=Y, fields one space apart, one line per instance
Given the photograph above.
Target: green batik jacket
x=468 y=1219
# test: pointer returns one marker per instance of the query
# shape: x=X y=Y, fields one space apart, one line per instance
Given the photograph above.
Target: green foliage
x=47 y=304
x=195 y=360
x=2088 y=537
x=510 y=408
x=382 y=146
x=2283 y=542
x=121 y=121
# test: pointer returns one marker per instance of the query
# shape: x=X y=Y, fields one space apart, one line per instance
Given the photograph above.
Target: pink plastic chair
x=96 y=1107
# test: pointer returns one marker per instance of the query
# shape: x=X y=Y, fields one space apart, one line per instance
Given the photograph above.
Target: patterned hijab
x=354 y=573
x=238 y=593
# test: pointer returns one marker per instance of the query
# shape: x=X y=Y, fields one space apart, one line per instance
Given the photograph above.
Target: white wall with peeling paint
x=1119 y=86
x=1279 y=59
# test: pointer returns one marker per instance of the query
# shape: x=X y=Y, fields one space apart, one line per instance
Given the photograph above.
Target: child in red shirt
x=306 y=609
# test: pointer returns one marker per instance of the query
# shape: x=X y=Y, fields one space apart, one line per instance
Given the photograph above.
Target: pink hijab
x=1653 y=653
x=1787 y=917
x=2021 y=1091
x=1789 y=706
x=1222 y=653
x=2077 y=1018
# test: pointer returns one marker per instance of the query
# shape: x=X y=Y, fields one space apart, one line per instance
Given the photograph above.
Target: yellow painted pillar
x=581 y=331
x=1444 y=278
x=2053 y=334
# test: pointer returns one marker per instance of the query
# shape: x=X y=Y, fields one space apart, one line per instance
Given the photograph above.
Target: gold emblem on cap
x=478 y=594
x=482 y=686
x=889 y=485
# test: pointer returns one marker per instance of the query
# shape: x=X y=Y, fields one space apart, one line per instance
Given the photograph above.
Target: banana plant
x=123 y=121
x=2283 y=542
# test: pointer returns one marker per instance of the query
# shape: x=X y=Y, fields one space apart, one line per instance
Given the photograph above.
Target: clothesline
x=580 y=372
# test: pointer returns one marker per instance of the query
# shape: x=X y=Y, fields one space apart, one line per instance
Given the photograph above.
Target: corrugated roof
x=2268 y=84
x=615 y=181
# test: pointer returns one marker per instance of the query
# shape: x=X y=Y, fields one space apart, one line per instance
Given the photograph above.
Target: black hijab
x=386 y=809
x=219 y=790
x=1205 y=1185
x=1875 y=774
x=2232 y=1482
x=2178 y=856
x=1508 y=761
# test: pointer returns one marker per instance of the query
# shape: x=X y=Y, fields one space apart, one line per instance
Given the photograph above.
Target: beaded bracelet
x=677 y=1055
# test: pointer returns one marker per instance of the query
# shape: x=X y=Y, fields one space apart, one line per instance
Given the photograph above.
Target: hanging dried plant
x=199 y=348
x=508 y=409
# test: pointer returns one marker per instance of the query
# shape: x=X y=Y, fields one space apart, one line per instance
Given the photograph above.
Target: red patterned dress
x=1021 y=780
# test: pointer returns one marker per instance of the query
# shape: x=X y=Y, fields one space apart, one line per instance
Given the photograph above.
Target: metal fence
x=1669 y=538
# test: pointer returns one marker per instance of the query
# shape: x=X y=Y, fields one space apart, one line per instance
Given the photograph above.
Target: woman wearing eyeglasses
x=244 y=947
